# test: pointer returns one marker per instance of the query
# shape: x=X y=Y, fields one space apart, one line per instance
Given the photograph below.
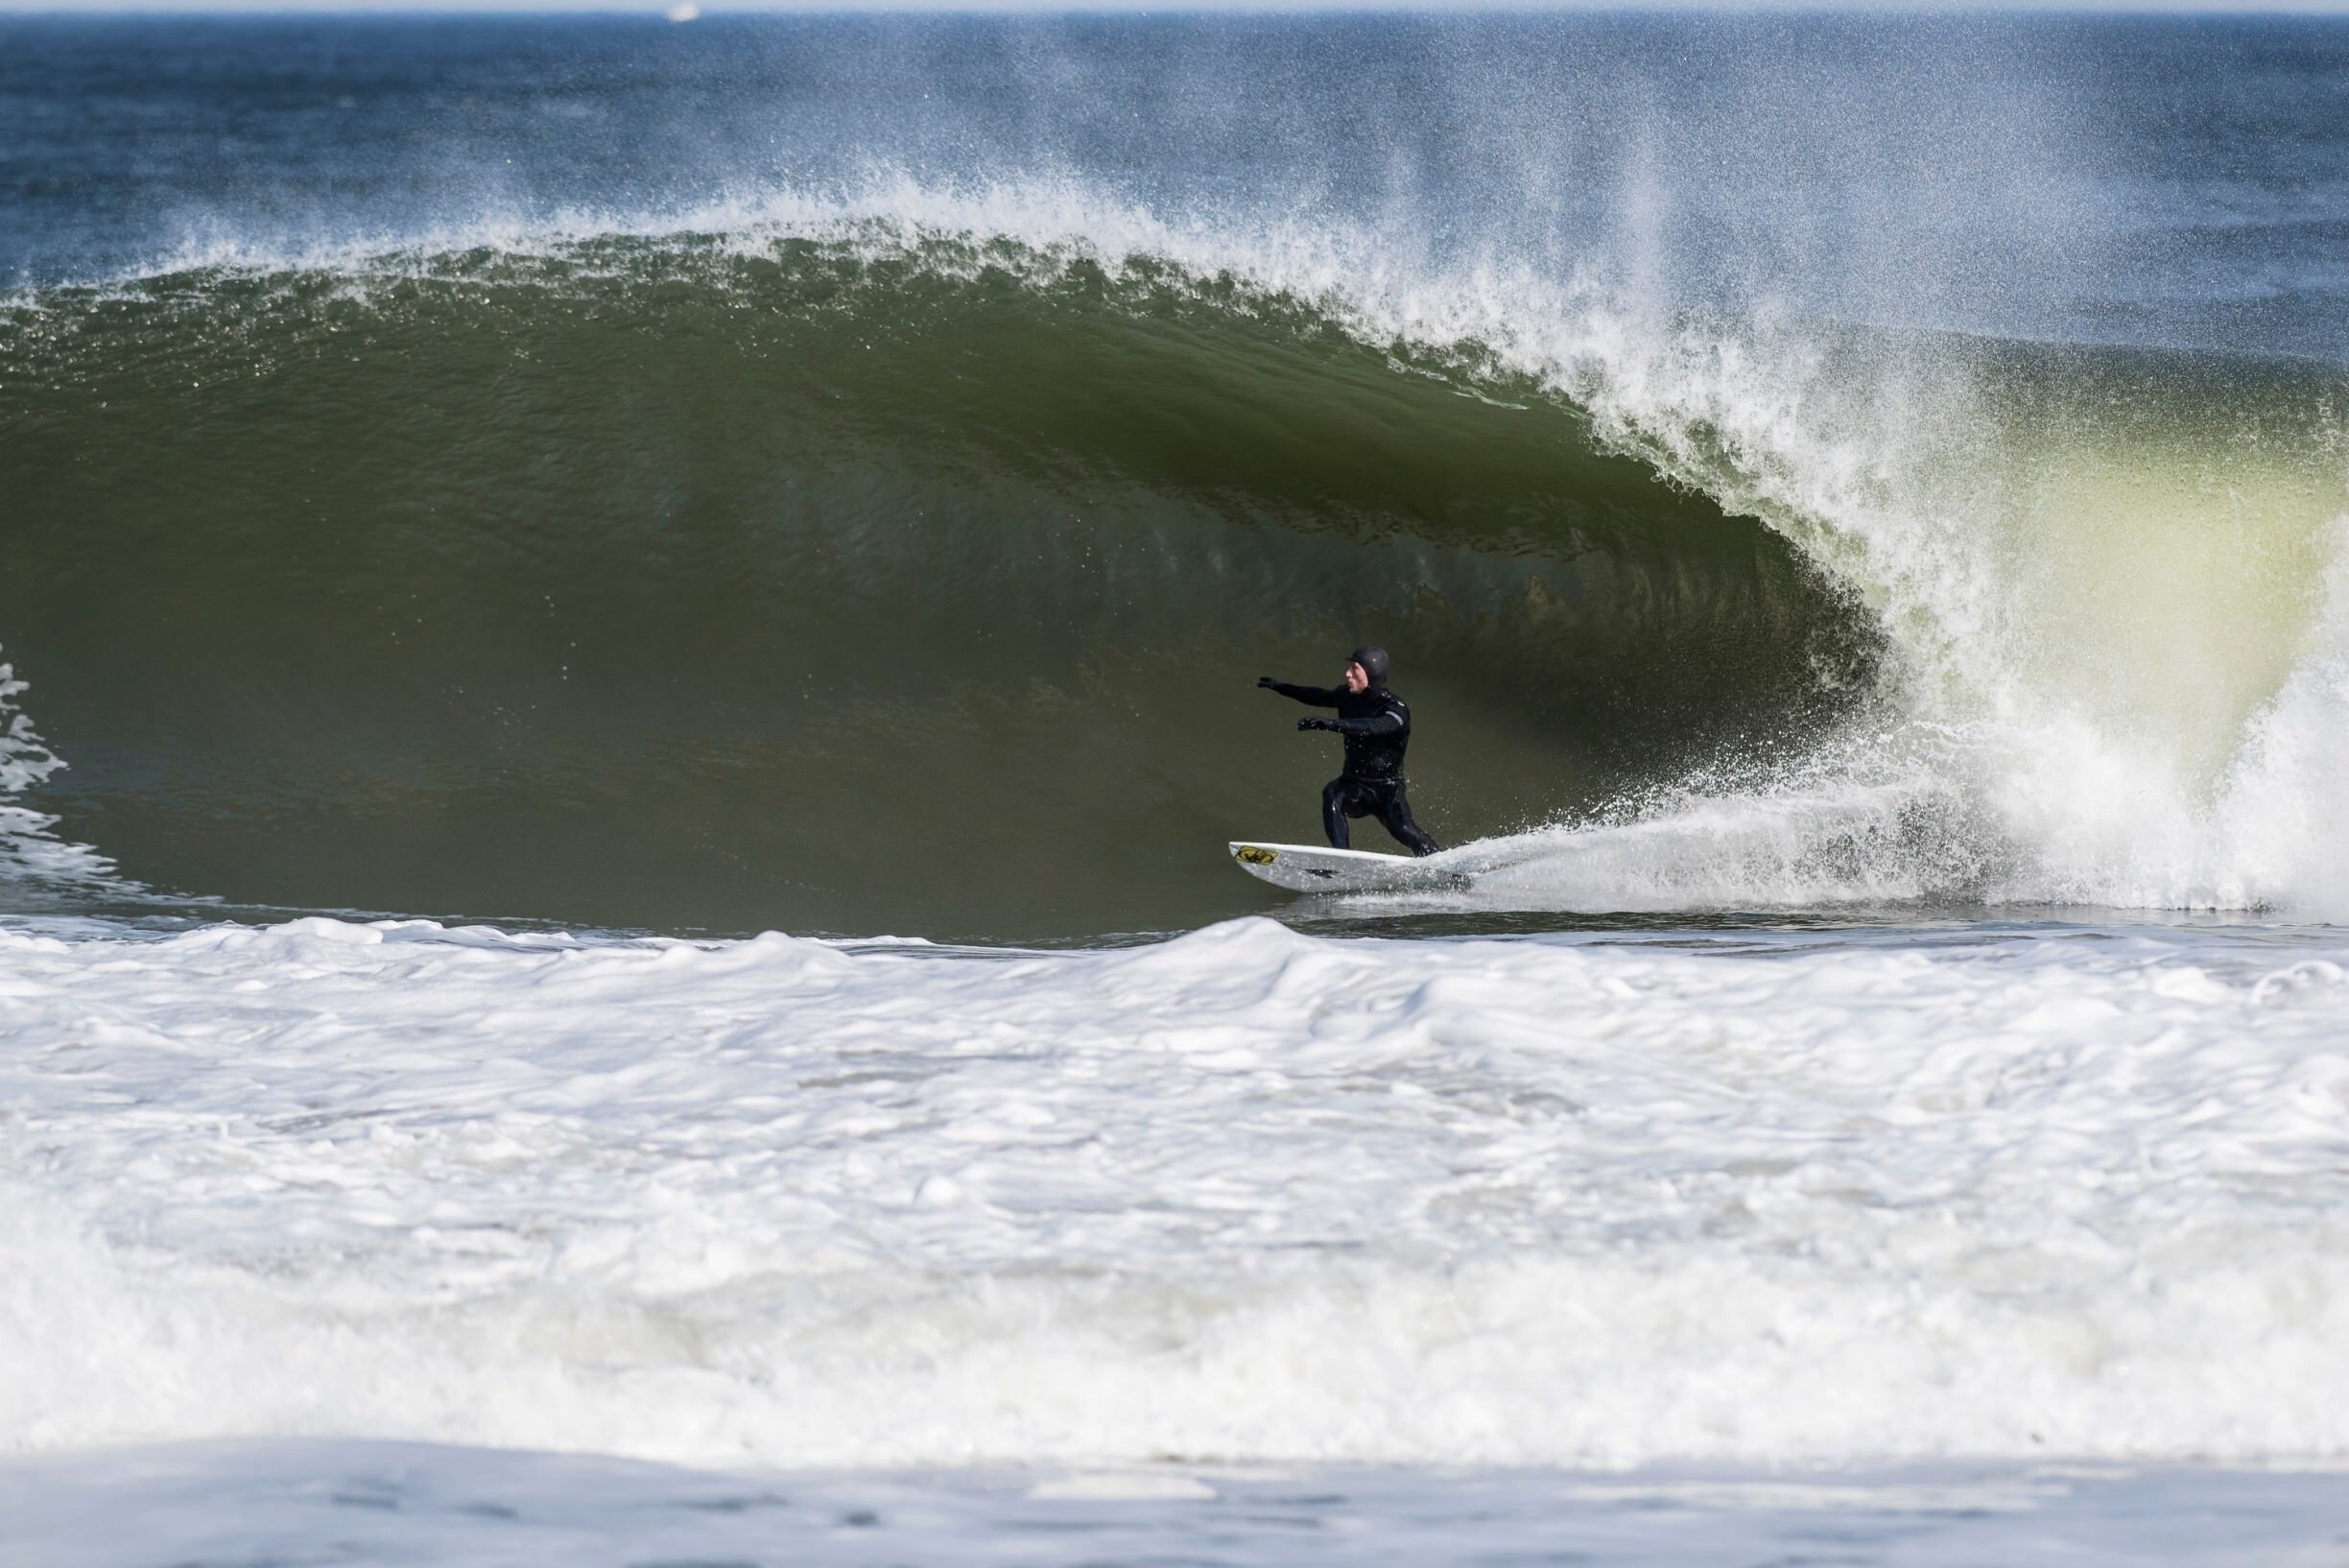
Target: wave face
x=834 y=582
x=883 y=532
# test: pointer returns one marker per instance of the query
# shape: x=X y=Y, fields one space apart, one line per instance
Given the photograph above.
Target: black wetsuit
x=1377 y=727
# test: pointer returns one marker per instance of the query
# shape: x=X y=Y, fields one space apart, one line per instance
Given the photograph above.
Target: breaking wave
x=820 y=562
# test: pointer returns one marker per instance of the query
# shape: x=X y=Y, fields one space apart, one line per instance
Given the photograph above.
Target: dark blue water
x=2179 y=182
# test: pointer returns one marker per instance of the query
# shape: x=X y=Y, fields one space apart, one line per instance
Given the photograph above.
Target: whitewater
x=969 y=1233
x=1242 y=1194
x=630 y=651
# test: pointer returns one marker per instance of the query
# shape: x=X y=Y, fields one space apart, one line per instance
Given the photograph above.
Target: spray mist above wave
x=2102 y=574
x=2014 y=176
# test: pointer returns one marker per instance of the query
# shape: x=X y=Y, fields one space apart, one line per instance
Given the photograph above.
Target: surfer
x=1377 y=727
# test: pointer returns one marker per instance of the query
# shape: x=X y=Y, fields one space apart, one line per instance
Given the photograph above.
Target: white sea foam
x=34 y=863
x=1245 y=1195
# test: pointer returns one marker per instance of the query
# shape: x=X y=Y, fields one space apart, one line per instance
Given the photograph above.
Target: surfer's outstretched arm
x=1313 y=696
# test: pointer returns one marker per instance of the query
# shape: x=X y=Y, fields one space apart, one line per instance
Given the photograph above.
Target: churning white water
x=1248 y=1194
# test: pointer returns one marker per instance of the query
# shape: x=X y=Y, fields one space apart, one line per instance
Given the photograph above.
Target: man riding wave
x=1376 y=729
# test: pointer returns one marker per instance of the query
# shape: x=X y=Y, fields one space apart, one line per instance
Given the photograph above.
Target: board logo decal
x=1254 y=855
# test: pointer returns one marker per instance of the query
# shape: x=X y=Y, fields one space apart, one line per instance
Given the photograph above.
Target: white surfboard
x=1304 y=867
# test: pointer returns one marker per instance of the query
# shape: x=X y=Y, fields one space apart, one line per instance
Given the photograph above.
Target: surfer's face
x=1357 y=678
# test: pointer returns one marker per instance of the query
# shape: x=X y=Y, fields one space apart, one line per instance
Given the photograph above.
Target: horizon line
x=695 y=10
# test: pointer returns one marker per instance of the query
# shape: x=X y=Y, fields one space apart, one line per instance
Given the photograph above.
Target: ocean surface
x=628 y=650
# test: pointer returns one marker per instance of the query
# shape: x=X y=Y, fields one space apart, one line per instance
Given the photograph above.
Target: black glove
x=1316 y=723
x=1266 y=680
